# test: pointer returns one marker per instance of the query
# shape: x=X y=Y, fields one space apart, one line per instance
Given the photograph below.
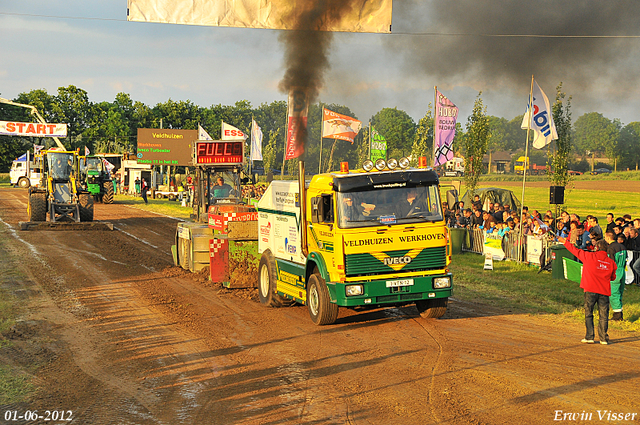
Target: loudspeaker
x=556 y=195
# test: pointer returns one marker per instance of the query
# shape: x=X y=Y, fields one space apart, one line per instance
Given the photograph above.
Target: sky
x=463 y=47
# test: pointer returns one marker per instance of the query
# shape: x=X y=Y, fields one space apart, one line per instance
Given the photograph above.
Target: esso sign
x=234 y=133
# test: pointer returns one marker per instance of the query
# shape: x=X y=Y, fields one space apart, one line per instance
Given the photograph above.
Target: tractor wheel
x=37 y=207
x=321 y=310
x=432 y=309
x=24 y=183
x=172 y=197
x=86 y=206
x=107 y=198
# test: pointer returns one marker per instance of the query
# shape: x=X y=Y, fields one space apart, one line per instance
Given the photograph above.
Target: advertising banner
x=165 y=147
x=493 y=246
x=297 y=122
x=31 y=129
x=378 y=146
x=338 y=126
x=445 y=129
x=360 y=16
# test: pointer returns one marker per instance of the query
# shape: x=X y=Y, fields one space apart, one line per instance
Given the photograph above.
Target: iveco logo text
x=397 y=260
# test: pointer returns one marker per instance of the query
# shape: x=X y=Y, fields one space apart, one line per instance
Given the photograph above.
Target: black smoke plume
x=491 y=43
x=307 y=47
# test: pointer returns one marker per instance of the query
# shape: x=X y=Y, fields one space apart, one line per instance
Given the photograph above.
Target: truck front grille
x=367 y=265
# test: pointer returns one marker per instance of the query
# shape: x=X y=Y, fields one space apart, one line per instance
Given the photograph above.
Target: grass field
x=160 y=206
x=519 y=288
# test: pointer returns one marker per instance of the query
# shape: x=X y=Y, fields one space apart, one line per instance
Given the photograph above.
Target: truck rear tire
x=107 y=198
x=24 y=183
x=321 y=310
x=432 y=309
x=85 y=201
x=267 y=280
x=37 y=207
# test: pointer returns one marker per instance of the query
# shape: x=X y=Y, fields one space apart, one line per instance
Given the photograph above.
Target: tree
x=629 y=146
x=559 y=161
x=398 y=128
x=423 y=139
x=269 y=152
x=475 y=144
x=595 y=133
x=72 y=106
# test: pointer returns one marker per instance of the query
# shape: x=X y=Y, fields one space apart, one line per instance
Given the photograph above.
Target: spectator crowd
x=582 y=233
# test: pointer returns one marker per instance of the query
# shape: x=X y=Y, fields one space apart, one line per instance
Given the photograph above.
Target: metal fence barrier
x=515 y=248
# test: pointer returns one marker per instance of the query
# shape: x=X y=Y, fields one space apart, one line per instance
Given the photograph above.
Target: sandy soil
x=121 y=336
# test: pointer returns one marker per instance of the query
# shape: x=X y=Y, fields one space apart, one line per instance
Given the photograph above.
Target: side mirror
x=316 y=209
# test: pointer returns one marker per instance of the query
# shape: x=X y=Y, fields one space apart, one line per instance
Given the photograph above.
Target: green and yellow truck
x=373 y=237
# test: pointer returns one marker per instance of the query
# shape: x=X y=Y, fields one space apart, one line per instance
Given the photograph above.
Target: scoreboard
x=219 y=152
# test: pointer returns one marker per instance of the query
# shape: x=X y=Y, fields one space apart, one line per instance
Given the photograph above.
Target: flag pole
x=321 y=129
x=435 y=122
x=369 y=140
x=286 y=141
x=526 y=161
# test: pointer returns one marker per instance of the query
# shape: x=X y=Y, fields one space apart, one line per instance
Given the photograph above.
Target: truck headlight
x=442 y=282
x=353 y=290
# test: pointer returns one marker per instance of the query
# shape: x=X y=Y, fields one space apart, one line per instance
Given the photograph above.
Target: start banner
x=31 y=129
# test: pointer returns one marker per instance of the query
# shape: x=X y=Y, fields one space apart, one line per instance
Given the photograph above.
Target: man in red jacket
x=597 y=273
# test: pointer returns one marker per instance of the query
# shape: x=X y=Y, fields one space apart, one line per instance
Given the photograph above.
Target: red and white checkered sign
x=220 y=221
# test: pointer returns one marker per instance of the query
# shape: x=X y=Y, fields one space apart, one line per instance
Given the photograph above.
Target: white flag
x=202 y=134
x=86 y=151
x=230 y=132
x=109 y=166
x=542 y=121
x=256 y=142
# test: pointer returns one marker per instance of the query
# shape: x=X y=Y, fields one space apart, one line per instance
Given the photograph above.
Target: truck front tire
x=321 y=310
x=24 y=183
x=432 y=309
x=267 y=280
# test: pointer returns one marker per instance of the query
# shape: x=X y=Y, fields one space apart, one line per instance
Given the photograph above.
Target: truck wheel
x=321 y=310
x=432 y=309
x=158 y=195
x=267 y=280
x=86 y=206
x=37 y=207
x=24 y=183
x=107 y=198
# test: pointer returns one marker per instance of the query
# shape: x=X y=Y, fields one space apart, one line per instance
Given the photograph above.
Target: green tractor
x=98 y=180
x=59 y=193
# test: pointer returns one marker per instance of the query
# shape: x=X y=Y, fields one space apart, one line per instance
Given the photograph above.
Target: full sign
x=15 y=128
x=220 y=153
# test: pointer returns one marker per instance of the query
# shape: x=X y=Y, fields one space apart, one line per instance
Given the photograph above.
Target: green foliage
x=475 y=143
x=423 y=140
x=559 y=161
x=269 y=152
x=629 y=146
x=398 y=128
x=596 y=133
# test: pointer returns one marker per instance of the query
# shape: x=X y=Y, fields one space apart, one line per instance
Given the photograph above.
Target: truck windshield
x=61 y=165
x=389 y=206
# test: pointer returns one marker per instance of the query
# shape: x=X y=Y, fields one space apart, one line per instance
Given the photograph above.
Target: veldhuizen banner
x=360 y=16
x=158 y=146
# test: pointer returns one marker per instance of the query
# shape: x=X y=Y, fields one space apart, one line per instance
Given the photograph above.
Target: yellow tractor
x=59 y=193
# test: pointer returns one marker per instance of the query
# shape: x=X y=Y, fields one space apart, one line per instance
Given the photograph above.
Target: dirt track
x=123 y=337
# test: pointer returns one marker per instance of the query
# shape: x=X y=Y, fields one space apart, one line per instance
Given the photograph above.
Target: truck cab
x=24 y=174
x=374 y=239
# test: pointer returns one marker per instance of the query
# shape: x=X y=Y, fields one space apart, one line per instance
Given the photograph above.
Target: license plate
x=401 y=282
